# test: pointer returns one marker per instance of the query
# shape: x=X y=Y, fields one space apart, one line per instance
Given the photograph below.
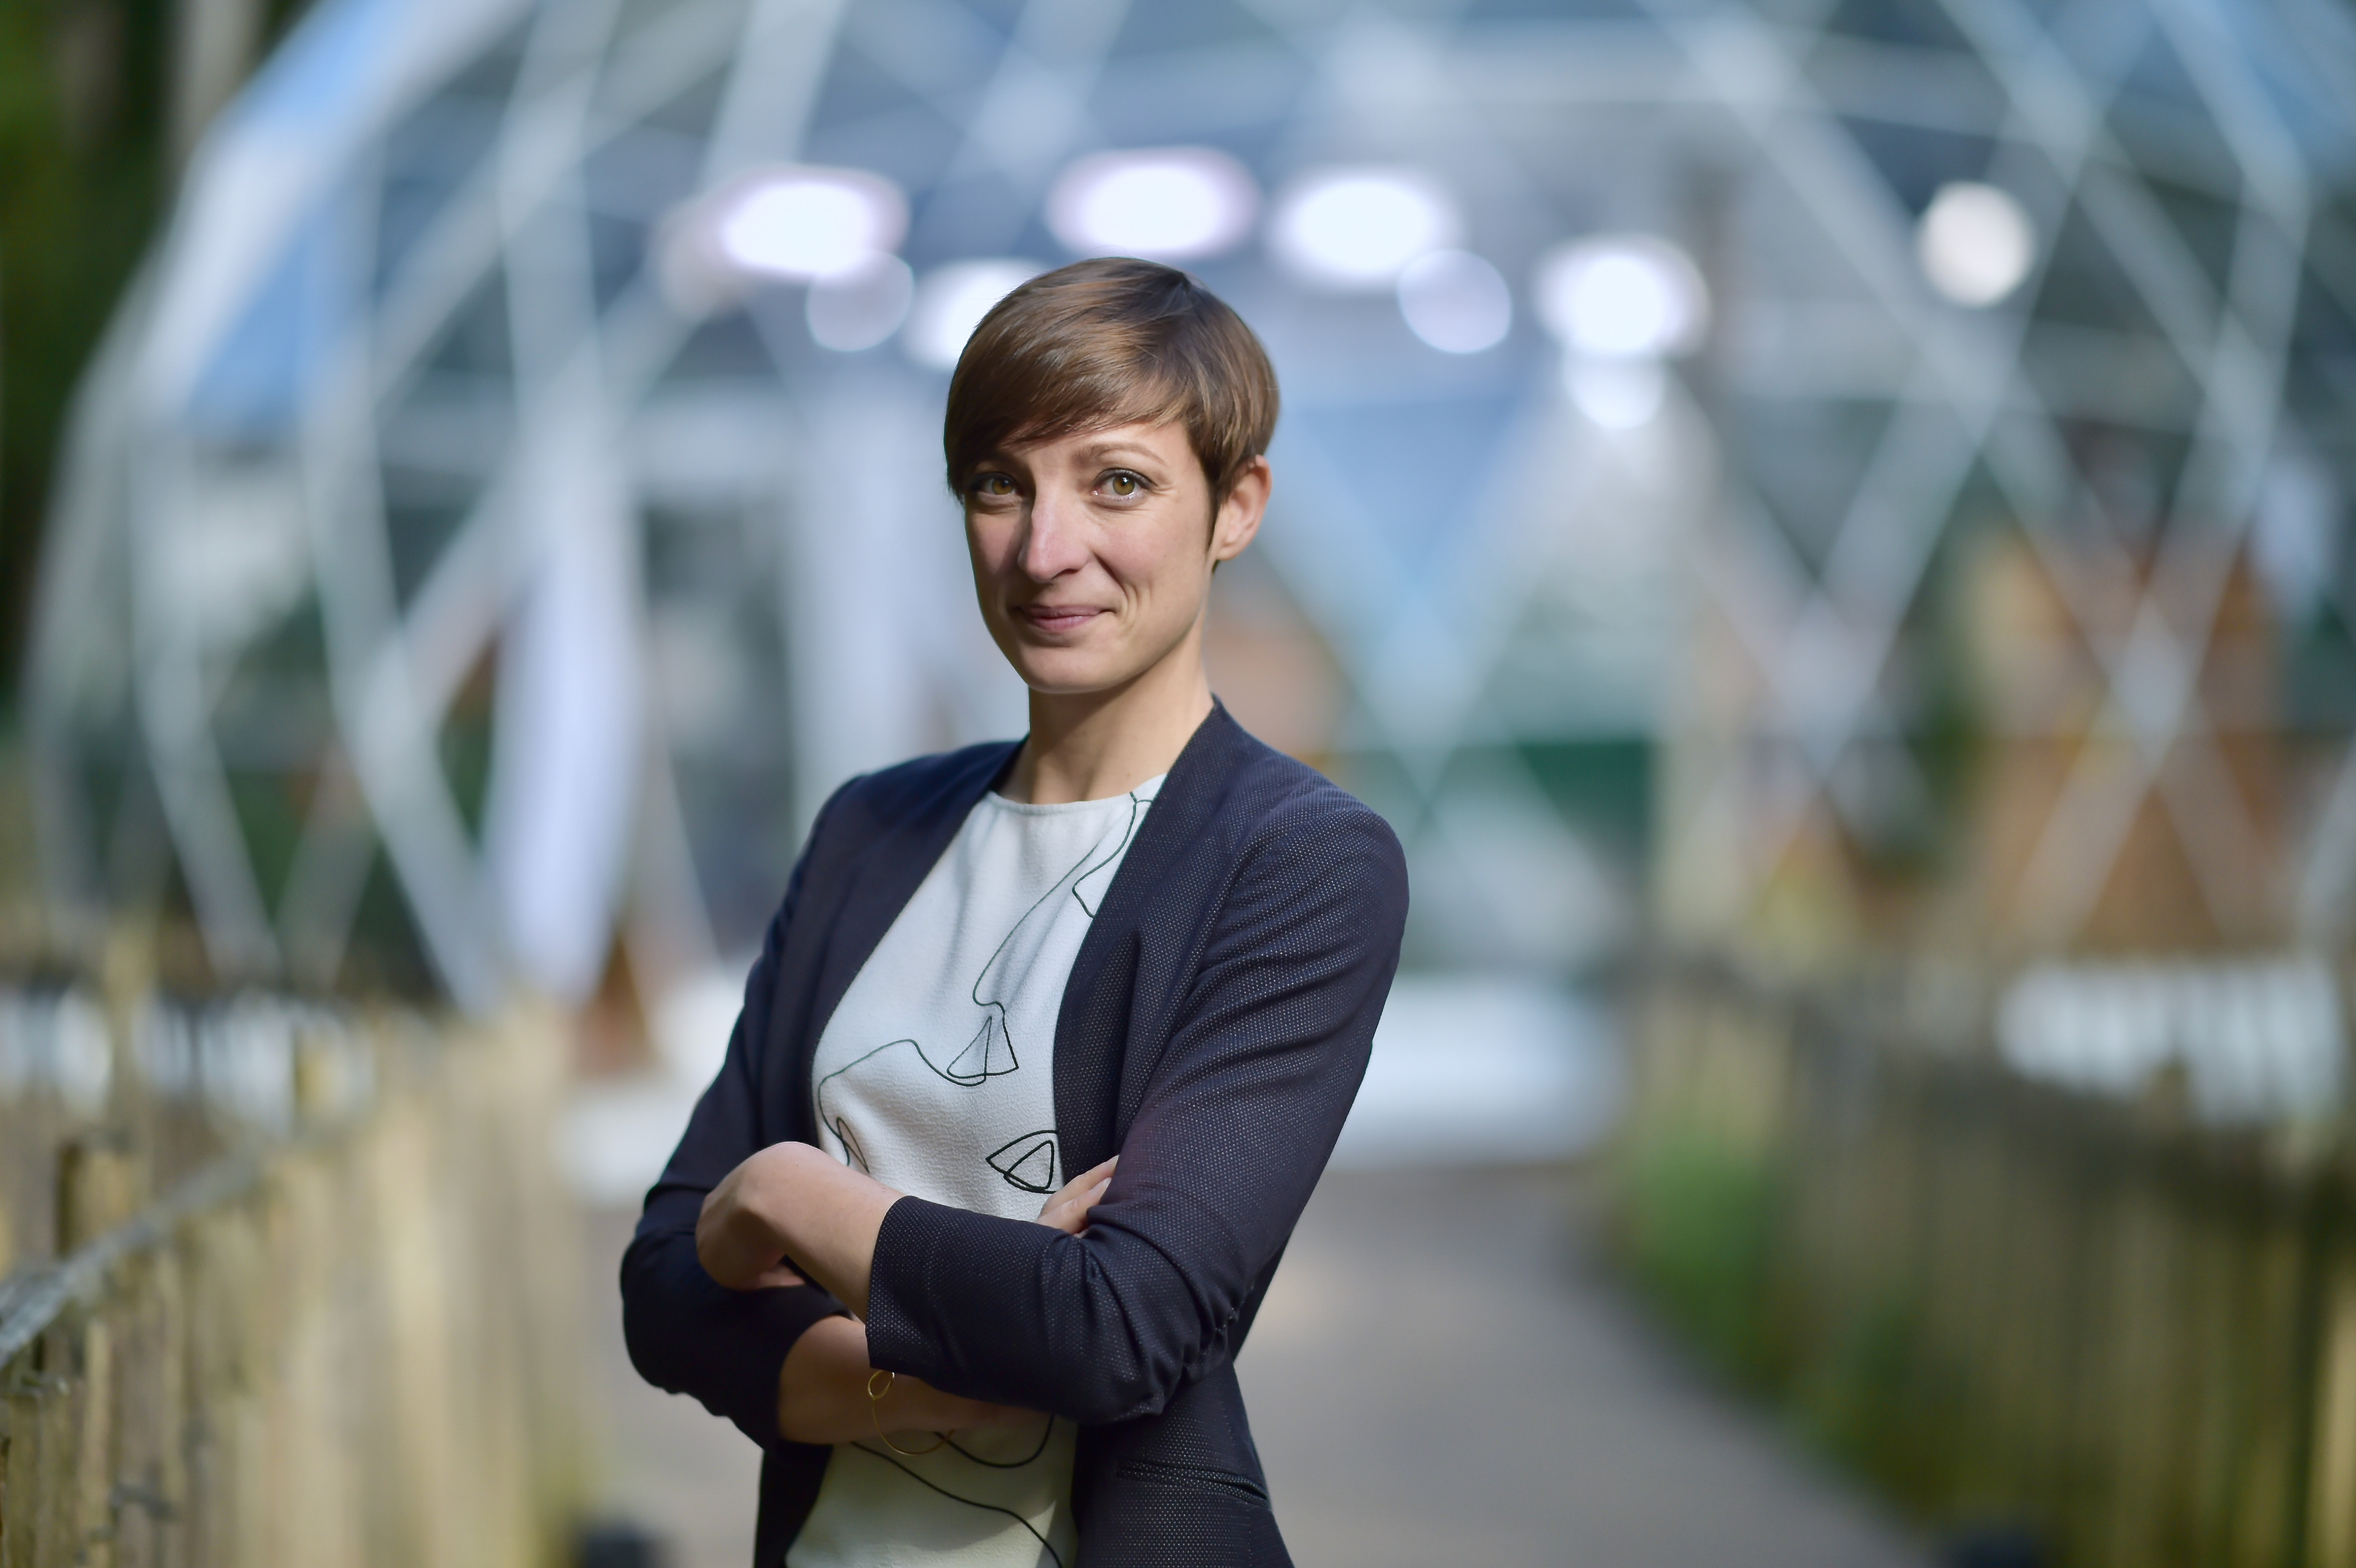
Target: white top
x=936 y=1076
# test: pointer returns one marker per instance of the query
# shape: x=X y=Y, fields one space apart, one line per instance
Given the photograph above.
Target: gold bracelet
x=875 y=1412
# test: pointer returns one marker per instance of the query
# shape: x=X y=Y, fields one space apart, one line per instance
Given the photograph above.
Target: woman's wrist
x=823 y=1398
x=911 y=1404
x=914 y=1405
x=774 y=1179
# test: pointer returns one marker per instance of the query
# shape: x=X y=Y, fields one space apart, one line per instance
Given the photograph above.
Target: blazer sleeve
x=685 y=1333
x=1268 y=1045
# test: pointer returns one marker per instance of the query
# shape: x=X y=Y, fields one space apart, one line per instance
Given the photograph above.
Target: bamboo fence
x=2125 y=1339
x=343 y=1335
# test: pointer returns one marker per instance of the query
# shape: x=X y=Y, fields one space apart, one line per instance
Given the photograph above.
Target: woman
x=1137 y=945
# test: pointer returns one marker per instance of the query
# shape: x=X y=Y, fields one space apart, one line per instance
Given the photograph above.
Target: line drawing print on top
x=1027 y=1162
x=1031 y=1160
x=1045 y=1544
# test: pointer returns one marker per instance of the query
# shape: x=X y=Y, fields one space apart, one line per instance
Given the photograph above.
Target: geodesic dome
x=444 y=560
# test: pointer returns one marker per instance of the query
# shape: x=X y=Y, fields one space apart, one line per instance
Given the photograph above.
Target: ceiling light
x=860 y=306
x=1622 y=296
x=1169 y=204
x=950 y=303
x=1975 y=243
x=803 y=223
x=1455 y=301
x=1360 y=228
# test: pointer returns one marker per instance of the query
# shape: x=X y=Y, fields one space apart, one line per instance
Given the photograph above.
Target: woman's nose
x=1052 y=543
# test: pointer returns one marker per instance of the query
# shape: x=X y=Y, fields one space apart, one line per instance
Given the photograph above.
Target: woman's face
x=1092 y=553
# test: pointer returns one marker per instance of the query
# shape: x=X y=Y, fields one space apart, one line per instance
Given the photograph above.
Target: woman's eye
x=993 y=485
x=1123 y=484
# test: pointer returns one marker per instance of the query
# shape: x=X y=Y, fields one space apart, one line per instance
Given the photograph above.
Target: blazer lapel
x=877 y=887
x=1092 y=1026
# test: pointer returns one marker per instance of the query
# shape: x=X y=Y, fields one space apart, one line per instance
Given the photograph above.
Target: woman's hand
x=789 y=1213
x=1067 y=1210
x=735 y=1240
x=734 y=1235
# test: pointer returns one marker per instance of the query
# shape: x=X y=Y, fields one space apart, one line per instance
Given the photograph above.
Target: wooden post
x=101 y=1182
x=94 y=1448
x=2331 y=1493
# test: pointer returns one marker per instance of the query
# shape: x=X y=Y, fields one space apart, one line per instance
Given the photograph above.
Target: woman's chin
x=1068 y=686
x=1071 y=672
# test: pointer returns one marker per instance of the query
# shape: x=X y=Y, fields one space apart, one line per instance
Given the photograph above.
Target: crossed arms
x=792 y=1205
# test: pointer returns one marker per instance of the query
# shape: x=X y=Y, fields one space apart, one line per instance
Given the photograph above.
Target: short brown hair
x=1110 y=342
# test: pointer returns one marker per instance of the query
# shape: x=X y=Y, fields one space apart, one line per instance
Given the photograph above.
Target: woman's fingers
x=1095 y=1176
x=1067 y=1210
x=1070 y=1213
x=739 y=1272
x=737 y=1248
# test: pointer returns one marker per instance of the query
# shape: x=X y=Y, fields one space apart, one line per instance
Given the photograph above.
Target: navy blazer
x=1213 y=1033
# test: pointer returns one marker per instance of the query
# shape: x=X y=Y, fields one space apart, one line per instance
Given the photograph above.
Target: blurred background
x=1821 y=523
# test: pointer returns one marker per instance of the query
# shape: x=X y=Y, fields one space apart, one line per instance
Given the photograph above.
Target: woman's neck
x=1094 y=745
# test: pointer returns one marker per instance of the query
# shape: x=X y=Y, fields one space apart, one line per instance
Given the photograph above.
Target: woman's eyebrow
x=1109 y=449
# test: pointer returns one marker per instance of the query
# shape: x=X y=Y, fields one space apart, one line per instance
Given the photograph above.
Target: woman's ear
x=1237 y=522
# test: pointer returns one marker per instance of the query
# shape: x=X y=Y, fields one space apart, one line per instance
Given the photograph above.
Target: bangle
x=875 y=1410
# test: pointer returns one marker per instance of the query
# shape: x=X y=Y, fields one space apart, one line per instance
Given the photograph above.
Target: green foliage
x=1705 y=1234
x=385 y=954
x=1605 y=785
x=85 y=179
x=2320 y=673
x=1701 y=1224
x=1868 y=1393
x=82 y=179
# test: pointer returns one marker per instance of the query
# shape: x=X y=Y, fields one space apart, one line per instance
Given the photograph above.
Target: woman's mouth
x=1057 y=617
